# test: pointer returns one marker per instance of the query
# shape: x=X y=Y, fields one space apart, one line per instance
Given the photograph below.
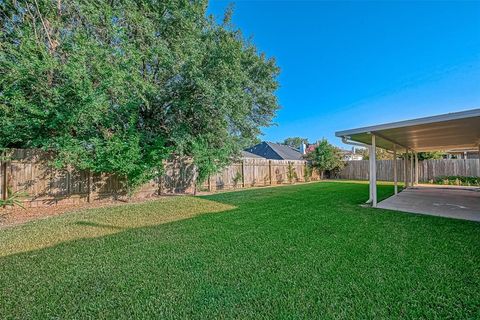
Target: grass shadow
x=99 y=222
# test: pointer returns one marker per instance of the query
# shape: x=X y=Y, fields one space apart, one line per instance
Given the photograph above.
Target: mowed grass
x=304 y=251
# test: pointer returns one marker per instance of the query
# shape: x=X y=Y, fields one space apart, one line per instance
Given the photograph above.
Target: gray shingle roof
x=246 y=154
x=275 y=151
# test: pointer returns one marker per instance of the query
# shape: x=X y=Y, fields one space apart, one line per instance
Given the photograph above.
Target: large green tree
x=325 y=157
x=120 y=85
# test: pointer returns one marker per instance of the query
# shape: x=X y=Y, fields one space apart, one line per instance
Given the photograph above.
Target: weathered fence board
x=427 y=170
x=256 y=173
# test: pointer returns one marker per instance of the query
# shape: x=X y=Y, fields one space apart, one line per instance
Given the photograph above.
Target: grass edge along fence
x=28 y=171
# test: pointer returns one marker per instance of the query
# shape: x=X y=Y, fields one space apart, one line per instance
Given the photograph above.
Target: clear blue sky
x=351 y=64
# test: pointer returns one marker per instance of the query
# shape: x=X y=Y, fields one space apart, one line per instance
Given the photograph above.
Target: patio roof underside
x=454 y=131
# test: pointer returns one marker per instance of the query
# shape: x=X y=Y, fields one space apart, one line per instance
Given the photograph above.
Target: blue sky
x=351 y=64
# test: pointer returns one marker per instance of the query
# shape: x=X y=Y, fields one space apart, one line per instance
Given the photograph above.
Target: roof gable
x=275 y=151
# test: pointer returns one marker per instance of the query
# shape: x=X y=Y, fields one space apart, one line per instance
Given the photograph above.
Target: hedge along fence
x=29 y=171
x=428 y=170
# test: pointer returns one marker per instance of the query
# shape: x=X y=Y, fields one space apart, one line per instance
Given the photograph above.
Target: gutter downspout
x=359 y=144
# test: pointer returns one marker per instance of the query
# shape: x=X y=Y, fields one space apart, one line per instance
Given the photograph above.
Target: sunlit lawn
x=304 y=251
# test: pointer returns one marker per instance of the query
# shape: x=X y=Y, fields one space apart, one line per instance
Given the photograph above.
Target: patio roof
x=459 y=130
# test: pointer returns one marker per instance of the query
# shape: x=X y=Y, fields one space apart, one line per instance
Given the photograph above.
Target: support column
x=479 y=160
x=395 y=182
x=405 y=169
x=370 y=194
x=416 y=168
x=411 y=168
x=374 y=172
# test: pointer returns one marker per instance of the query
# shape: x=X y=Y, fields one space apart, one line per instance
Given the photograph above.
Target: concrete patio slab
x=458 y=203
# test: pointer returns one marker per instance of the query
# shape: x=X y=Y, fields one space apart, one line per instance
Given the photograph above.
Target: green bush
x=237 y=179
x=307 y=173
x=291 y=173
x=457 y=181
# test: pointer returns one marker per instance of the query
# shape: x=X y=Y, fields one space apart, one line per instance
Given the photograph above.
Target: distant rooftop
x=246 y=154
x=275 y=151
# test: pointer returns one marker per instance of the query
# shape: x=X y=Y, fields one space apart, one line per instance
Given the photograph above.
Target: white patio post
x=405 y=168
x=373 y=173
x=416 y=167
x=370 y=184
x=395 y=187
x=411 y=168
x=407 y=171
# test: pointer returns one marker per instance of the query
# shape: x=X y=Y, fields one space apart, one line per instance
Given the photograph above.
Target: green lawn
x=304 y=251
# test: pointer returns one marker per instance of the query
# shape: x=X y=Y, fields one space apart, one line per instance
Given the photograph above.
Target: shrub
x=307 y=173
x=13 y=198
x=457 y=180
x=236 y=179
x=291 y=173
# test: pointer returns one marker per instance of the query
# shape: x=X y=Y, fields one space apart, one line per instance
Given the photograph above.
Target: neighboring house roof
x=246 y=154
x=275 y=151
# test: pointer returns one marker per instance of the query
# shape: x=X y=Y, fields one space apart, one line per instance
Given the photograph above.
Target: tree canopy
x=325 y=157
x=294 y=142
x=380 y=154
x=119 y=86
x=430 y=155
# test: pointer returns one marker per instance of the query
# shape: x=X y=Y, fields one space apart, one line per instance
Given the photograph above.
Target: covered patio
x=459 y=131
x=443 y=201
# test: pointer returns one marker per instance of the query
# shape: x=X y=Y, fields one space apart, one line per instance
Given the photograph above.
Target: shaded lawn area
x=290 y=252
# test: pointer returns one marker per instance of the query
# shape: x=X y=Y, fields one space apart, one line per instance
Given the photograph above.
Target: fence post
x=270 y=171
x=303 y=171
x=4 y=176
x=243 y=173
x=160 y=182
x=89 y=186
x=69 y=180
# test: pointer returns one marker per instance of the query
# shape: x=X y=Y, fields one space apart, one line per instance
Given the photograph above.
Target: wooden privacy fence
x=427 y=169
x=251 y=172
x=29 y=171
